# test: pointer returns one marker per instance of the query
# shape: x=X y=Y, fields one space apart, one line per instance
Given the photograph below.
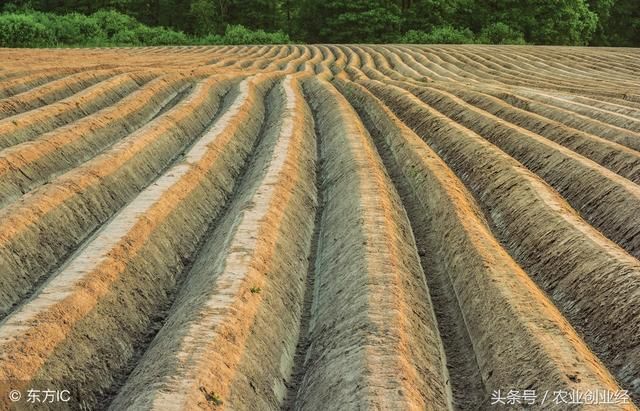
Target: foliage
x=160 y=36
x=425 y=15
x=125 y=38
x=500 y=33
x=256 y=14
x=358 y=21
x=17 y=30
x=603 y=9
x=28 y=28
x=572 y=23
x=75 y=28
x=618 y=23
x=439 y=35
x=207 y=18
x=567 y=22
x=112 y=22
x=238 y=34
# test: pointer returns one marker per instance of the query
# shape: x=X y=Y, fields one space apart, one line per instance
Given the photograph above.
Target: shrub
x=20 y=30
x=500 y=33
x=112 y=22
x=212 y=39
x=108 y=27
x=124 y=30
x=160 y=36
x=76 y=29
x=10 y=8
x=125 y=38
x=206 y=17
x=238 y=34
x=439 y=35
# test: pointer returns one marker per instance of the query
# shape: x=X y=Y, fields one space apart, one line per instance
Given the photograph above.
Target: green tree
x=424 y=15
x=619 y=23
x=256 y=14
x=439 y=35
x=19 y=30
x=213 y=16
x=568 y=22
x=343 y=21
x=207 y=17
x=500 y=33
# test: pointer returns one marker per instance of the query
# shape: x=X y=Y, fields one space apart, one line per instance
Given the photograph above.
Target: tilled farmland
x=320 y=227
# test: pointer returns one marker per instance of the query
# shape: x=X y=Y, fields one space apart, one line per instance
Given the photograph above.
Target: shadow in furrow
x=227 y=100
x=467 y=389
x=245 y=183
x=299 y=363
x=174 y=102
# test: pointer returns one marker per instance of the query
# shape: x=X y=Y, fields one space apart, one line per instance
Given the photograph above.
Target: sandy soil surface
x=317 y=227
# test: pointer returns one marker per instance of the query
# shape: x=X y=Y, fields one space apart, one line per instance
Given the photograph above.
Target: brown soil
x=319 y=227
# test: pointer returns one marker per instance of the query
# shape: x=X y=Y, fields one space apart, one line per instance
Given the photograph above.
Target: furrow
x=28 y=165
x=96 y=310
x=600 y=114
x=607 y=131
x=298 y=369
x=242 y=301
x=52 y=92
x=267 y=53
x=410 y=60
x=340 y=60
x=29 y=125
x=594 y=283
x=41 y=230
x=392 y=64
x=550 y=77
x=615 y=157
x=24 y=83
x=609 y=202
x=374 y=341
x=623 y=104
x=502 y=74
x=540 y=79
x=274 y=53
x=479 y=290
x=320 y=227
x=447 y=67
x=616 y=106
x=325 y=63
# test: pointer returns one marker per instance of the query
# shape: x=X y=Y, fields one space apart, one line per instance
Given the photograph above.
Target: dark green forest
x=558 y=22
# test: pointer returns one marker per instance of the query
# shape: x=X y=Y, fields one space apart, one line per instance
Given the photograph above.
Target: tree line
x=561 y=22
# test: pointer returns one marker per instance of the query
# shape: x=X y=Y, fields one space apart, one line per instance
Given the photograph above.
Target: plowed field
x=320 y=227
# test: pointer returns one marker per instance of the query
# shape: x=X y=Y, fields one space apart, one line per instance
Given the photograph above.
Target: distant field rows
x=320 y=227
